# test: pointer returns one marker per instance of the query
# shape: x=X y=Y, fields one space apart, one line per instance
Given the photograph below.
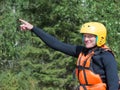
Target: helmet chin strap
x=96 y=39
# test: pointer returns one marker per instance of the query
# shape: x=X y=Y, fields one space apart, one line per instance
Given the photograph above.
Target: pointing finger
x=23 y=21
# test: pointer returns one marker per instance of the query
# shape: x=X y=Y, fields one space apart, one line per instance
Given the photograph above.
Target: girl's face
x=89 y=40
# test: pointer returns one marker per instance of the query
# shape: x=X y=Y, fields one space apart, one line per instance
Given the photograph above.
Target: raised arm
x=51 y=41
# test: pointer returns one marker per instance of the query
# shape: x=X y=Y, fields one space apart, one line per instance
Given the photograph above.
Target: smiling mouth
x=87 y=42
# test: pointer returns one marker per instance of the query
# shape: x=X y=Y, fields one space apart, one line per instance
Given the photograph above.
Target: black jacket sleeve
x=52 y=42
x=111 y=71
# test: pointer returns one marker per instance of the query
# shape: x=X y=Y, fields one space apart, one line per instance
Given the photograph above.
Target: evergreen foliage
x=26 y=63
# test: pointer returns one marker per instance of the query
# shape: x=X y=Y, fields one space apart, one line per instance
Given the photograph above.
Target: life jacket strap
x=82 y=67
x=82 y=86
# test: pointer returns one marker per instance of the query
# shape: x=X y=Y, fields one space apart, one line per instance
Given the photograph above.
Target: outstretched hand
x=25 y=25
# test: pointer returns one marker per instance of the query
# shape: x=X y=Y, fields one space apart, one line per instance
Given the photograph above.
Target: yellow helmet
x=97 y=29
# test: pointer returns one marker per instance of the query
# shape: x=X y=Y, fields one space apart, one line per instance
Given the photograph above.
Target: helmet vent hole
x=102 y=37
x=88 y=25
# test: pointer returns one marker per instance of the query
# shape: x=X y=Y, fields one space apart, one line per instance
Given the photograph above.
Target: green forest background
x=26 y=63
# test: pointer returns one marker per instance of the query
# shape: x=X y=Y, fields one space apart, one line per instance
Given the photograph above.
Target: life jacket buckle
x=80 y=67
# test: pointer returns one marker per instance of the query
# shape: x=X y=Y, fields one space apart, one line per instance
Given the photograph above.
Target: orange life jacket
x=87 y=78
